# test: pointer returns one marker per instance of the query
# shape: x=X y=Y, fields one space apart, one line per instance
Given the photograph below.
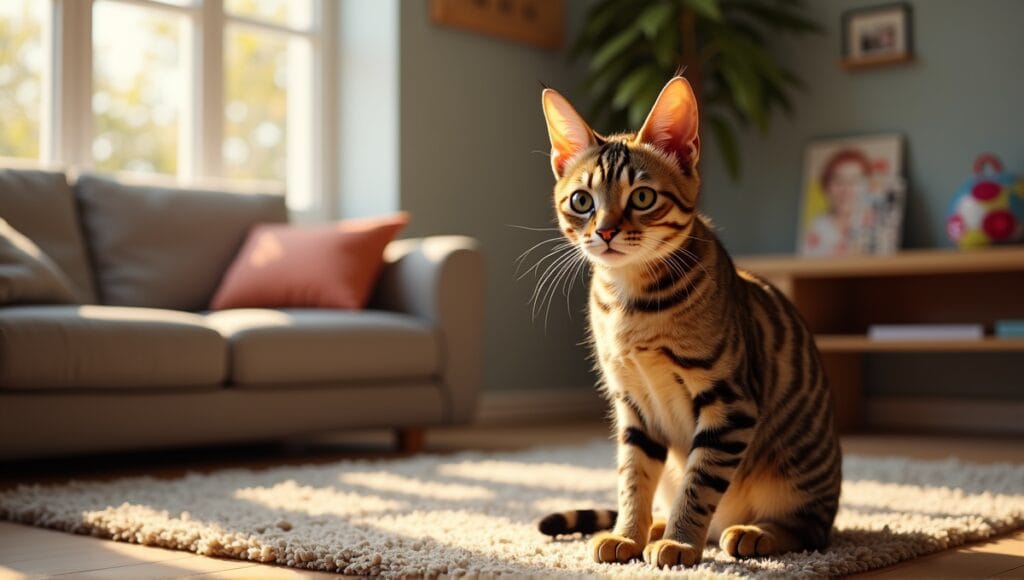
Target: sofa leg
x=411 y=440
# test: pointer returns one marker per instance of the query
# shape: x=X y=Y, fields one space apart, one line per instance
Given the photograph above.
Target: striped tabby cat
x=721 y=406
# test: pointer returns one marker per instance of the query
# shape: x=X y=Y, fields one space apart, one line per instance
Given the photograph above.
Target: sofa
x=137 y=361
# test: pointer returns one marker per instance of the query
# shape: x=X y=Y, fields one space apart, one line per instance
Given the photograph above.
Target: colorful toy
x=988 y=208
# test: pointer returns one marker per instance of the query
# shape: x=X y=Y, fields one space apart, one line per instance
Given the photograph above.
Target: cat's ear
x=568 y=132
x=672 y=124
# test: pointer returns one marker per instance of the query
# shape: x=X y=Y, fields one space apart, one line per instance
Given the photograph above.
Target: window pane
x=138 y=85
x=268 y=110
x=255 y=104
x=21 y=68
x=293 y=13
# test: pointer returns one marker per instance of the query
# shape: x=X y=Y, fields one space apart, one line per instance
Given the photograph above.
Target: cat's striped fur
x=720 y=402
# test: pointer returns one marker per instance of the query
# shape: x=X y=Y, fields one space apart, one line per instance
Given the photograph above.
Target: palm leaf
x=622 y=42
x=656 y=18
x=706 y=8
x=725 y=138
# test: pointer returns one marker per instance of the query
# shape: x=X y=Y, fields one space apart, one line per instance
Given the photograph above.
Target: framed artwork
x=854 y=196
x=876 y=35
x=537 y=22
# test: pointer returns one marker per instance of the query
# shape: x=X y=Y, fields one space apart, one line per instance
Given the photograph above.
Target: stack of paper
x=926 y=332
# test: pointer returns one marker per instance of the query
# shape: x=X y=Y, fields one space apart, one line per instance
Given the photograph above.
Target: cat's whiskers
x=673 y=262
x=561 y=280
x=649 y=264
x=558 y=256
x=551 y=278
x=686 y=252
x=522 y=257
x=533 y=229
x=552 y=253
x=578 y=271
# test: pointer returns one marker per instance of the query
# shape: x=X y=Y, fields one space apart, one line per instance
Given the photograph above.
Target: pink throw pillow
x=322 y=266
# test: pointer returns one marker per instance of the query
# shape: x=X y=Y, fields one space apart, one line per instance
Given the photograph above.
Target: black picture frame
x=868 y=24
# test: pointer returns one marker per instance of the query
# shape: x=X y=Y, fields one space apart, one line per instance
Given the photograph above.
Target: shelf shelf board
x=908 y=262
x=861 y=343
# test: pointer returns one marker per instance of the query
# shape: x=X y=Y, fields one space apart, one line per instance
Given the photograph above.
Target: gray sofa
x=138 y=363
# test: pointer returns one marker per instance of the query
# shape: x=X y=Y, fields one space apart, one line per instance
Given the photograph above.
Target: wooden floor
x=27 y=551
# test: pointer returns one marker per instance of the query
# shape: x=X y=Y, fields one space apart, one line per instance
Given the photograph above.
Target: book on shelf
x=1010 y=328
x=926 y=332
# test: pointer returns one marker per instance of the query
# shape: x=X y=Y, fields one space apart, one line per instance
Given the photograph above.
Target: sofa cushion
x=46 y=347
x=162 y=247
x=39 y=204
x=27 y=274
x=275 y=347
x=332 y=265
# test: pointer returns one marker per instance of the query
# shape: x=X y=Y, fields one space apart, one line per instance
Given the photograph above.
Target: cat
x=720 y=402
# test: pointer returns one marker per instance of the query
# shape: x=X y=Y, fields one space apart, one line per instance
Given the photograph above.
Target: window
x=21 y=76
x=268 y=103
x=137 y=75
x=194 y=89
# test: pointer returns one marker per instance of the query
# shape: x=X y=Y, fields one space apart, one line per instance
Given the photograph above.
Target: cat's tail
x=577 y=521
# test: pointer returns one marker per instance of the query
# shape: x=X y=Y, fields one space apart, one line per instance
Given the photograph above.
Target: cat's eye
x=581 y=202
x=642 y=198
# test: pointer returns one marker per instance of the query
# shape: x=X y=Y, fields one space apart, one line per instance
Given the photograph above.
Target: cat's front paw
x=666 y=553
x=609 y=548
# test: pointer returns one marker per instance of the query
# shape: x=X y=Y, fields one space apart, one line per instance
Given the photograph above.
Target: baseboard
x=536 y=406
x=944 y=414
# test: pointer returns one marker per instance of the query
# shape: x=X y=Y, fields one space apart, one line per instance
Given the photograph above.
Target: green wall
x=473 y=152
x=962 y=96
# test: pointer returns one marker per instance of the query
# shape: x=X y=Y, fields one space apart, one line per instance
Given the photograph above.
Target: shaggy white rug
x=476 y=514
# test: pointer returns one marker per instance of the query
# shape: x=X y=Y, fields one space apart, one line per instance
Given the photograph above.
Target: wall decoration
x=988 y=208
x=854 y=196
x=537 y=22
x=876 y=36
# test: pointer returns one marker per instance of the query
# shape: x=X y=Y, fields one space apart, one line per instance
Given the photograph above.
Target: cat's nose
x=608 y=233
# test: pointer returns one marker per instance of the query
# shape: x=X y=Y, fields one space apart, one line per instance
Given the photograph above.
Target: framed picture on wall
x=854 y=196
x=876 y=36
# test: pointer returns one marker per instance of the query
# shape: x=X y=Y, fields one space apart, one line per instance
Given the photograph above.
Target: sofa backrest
x=40 y=205
x=162 y=247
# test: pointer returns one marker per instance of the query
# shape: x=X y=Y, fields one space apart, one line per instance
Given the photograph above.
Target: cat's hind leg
x=752 y=541
x=804 y=530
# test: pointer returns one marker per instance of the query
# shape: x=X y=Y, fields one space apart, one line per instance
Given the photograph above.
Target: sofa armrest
x=441 y=280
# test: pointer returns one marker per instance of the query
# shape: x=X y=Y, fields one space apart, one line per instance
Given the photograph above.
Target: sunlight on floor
x=384 y=481
x=540 y=475
x=316 y=501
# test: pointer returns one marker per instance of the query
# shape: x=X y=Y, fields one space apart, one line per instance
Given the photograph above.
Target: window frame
x=67 y=117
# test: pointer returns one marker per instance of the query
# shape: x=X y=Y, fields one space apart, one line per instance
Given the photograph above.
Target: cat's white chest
x=671 y=403
x=646 y=376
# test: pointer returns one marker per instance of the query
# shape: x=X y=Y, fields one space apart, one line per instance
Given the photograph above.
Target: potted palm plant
x=633 y=46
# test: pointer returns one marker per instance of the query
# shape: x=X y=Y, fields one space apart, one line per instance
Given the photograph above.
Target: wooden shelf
x=909 y=262
x=839 y=298
x=861 y=343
